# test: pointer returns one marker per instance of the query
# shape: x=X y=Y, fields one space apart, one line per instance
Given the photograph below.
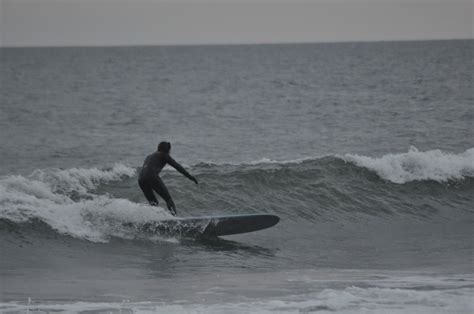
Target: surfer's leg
x=171 y=207
x=148 y=192
x=162 y=191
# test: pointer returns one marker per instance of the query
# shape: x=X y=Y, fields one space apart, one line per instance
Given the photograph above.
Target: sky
x=174 y=22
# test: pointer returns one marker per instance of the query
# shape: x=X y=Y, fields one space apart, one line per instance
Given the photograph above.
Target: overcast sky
x=155 y=22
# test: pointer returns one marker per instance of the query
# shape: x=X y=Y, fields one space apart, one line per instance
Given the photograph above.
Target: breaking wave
x=419 y=166
x=63 y=199
x=84 y=203
x=352 y=299
x=413 y=165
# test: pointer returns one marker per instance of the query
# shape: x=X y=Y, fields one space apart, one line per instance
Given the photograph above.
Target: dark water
x=364 y=150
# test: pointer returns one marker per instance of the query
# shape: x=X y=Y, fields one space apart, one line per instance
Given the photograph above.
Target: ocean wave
x=260 y=161
x=80 y=180
x=331 y=187
x=416 y=165
x=51 y=196
x=347 y=300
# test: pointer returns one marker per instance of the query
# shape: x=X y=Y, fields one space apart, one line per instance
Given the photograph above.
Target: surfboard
x=211 y=226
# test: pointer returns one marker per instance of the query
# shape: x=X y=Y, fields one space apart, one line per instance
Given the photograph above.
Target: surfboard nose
x=271 y=220
x=244 y=224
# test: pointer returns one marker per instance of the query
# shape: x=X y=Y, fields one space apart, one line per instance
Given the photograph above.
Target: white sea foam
x=79 y=180
x=416 y=165
x=46 y=195
x=346 y=300
x=295 y=291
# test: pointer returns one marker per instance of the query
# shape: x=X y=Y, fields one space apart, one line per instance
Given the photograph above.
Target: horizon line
x=235 y=43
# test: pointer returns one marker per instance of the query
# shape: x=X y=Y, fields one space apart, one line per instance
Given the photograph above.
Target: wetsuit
x=149 y=180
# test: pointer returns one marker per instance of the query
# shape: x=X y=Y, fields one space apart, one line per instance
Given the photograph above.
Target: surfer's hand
x=194 y=179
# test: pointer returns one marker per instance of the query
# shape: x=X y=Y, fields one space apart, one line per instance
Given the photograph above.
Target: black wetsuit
x=149 y=180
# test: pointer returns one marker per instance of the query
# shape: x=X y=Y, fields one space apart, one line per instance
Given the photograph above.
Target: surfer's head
x=164 y=147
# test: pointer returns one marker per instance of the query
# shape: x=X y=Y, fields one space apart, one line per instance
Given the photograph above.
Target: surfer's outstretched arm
x=180 y=168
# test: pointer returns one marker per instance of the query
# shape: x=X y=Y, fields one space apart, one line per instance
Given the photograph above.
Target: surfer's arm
x=180 y=169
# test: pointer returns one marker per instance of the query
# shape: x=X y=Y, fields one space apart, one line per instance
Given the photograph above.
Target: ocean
x=364 y=150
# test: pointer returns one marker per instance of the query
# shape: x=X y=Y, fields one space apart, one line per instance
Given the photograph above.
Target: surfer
x=149 y=179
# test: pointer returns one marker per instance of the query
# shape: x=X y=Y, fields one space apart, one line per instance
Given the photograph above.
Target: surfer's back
x=153 y=164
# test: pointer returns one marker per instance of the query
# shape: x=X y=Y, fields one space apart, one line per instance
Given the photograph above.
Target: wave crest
x=47 y=195
x=416 y=165
x=80 y=180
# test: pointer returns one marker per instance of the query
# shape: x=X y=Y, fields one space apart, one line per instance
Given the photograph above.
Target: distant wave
x=256 y=162
x=413 y=165
x=418 y=166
